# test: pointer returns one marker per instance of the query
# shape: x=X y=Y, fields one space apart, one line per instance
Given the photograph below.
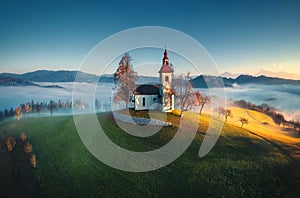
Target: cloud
x=277 y=66
x=229 y=75
x=280 y=74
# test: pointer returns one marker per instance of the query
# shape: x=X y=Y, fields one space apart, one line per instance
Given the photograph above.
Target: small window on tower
x=167 y=78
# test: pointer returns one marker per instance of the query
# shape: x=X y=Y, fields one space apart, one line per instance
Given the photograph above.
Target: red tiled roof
x=166 y=69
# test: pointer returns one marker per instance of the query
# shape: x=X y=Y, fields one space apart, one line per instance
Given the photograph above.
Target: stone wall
x=142 y=121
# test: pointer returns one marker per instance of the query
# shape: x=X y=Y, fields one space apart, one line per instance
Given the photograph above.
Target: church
x=161 y=95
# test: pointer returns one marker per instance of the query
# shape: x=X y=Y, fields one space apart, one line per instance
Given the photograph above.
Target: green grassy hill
x=241 y=164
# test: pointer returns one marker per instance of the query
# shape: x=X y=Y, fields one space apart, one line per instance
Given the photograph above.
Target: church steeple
x=166 y=58
x=166 y=75
x=166 y=65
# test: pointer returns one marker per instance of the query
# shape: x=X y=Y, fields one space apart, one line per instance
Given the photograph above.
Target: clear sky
x=242 y=37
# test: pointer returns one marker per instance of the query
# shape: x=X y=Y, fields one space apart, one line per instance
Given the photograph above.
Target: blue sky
x=242 y=37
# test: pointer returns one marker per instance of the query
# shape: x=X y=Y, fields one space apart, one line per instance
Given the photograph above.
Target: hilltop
x=251 y=161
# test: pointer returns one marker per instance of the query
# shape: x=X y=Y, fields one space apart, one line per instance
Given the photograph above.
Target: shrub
x=27 y=147
x=32 y=160
x=10 y=143
x=23 y=137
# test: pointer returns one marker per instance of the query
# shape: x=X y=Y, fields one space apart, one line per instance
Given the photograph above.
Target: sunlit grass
x=262 y=125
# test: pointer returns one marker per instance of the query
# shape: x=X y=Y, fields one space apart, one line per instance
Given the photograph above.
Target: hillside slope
x=240 y=164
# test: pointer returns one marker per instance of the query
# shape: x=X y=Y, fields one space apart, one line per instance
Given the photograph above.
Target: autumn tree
x=18 y=113
x=125 y=80
x=202 y=100
x=243 y=121
x=27 y=107
x=27 y=147
x=80 y=104
x=32 y=160
x=23 y=137
x=183 y=91
x=51 y=106
x=10 y=143
x=278 y=118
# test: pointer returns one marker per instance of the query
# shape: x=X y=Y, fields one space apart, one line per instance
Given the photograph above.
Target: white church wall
x=168 y=81
x=168 y=108
x=145 y=102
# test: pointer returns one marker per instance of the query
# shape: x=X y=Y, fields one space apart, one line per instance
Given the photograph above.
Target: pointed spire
x=166 y=58
x=166 y=66
x=166 y=53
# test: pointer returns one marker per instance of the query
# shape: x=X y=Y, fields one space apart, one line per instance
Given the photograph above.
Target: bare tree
x=183 y=90
x=38 y=108
x=243 y=121
x=228 y=113
x=221 y=111
x=51 y=106
x=225 y=112
x=202 y=99
x=125 y=80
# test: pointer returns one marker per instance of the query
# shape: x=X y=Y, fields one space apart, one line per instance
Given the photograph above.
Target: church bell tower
x=166 y=90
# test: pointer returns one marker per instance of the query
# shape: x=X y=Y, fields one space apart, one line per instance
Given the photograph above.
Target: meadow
x=255 y=161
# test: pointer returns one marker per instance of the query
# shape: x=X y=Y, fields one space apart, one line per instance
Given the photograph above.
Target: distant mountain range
x=68 y=76
x=29 y=79
x=52 y=76
x=213 y=81
x=12 y=81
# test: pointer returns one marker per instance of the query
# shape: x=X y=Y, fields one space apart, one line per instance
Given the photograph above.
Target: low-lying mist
x=286 y=98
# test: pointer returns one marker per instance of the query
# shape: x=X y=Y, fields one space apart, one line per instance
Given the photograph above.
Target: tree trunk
x=181 y=112
x=202 y=109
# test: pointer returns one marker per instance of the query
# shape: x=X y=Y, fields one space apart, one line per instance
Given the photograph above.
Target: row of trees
x=51 y=106
x=263 y=108
x=35 y=107
x=227 y=113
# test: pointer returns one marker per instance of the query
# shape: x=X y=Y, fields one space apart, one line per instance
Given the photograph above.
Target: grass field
x=258 y=160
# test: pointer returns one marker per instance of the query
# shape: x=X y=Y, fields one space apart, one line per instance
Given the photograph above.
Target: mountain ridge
x=200 y=81
x=12 y=81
